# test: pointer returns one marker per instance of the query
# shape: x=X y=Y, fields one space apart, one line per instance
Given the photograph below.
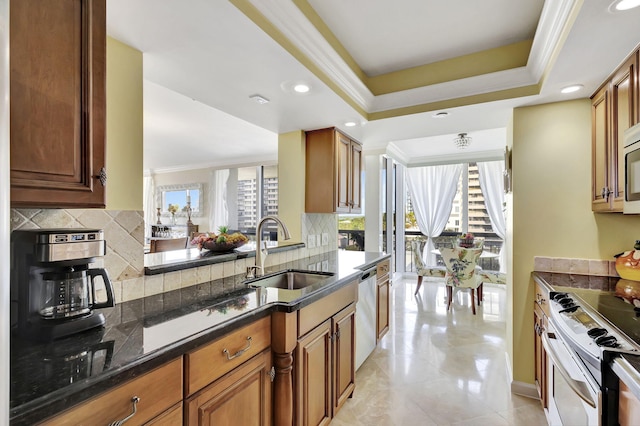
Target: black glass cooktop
x=615 y=309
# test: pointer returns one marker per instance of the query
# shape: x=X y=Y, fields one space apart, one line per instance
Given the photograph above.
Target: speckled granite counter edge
x=212 y=259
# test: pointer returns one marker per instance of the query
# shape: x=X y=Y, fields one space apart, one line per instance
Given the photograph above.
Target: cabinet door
x=383 y=307
x=600 y=150
x=343 y=189
x=344 y=343
x=355 y=199
x=540 y=355
x=313 y=376
x=622 y=117
x=241 y=397
x=58 y=80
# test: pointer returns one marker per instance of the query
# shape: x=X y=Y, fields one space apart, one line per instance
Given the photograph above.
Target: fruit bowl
x=216 y=247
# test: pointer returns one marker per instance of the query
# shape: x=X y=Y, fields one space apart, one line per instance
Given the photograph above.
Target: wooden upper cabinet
x=58 y=80
x=614 y=108
x=333 y=172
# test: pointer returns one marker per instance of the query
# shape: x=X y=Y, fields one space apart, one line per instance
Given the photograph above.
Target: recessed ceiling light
x=572 y=88
x=301 y=88
x=350 y=123
x=259 y=99
x=440 y=114
x=621 y=5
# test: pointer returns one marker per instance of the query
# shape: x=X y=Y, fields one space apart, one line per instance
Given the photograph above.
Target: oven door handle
x=579 y=387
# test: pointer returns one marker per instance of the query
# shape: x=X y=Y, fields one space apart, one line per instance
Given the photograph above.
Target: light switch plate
x=325 y=265
x=325 y=239
x=318 y=240
x=311 y=241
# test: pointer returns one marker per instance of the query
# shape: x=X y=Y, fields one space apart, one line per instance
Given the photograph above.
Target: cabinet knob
x=102 y=176
x=605 y=193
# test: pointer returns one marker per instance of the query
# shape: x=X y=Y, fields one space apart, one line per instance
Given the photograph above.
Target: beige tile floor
x=439 y=368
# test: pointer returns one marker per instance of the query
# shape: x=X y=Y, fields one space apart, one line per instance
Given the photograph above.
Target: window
x=257 y=196
x=178 y=195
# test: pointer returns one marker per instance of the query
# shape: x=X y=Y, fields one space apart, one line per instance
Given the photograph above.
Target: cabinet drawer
x=210 y=362
x=383 y=269
x=310 y=316
x=171 y=417
x=157 y=391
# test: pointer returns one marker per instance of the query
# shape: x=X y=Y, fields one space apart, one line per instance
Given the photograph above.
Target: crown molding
x=293 y=30
x=244 y=162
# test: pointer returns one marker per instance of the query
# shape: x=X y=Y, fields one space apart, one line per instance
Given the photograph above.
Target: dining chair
x=157 y=246
x=421 y=267
x=463 y=272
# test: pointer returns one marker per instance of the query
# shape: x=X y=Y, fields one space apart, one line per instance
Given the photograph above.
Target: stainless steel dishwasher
x=366 y=316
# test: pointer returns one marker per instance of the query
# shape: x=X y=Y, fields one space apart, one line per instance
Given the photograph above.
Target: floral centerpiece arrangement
x=466 y=240
x=173 y=208
x=220 y=242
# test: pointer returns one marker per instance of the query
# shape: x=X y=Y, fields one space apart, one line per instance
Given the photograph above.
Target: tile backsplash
x=597 y=267
x=124 y=261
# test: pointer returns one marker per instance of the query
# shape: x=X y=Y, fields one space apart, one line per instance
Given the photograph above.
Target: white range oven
x=580 y=340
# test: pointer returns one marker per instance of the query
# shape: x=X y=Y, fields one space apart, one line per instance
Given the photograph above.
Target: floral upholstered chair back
x=418 y=262
x=461 y=266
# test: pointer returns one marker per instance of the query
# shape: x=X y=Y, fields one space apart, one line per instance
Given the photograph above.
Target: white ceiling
x=203 y=59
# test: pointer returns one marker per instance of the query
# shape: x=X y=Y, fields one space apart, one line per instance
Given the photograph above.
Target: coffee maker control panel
x=55 y=246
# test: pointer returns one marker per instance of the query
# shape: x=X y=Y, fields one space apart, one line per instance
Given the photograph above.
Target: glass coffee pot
x=71 y=293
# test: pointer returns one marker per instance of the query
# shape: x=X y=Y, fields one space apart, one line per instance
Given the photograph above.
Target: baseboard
x=524 y=389
x=520 y=388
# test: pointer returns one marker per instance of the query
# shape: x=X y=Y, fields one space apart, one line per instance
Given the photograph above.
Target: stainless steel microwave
x=632 y=170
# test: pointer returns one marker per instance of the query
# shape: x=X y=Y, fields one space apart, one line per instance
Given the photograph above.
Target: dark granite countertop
x=139 y=335
x=177 y=260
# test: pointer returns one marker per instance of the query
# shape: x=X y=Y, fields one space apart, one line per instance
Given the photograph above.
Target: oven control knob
x=556 y=297
x=608 y=341
x=594 y=333
x=569 y=309
x=565 y=302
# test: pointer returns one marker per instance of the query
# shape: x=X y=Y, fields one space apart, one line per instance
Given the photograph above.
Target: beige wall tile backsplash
x=124 y=261
x=575 y=266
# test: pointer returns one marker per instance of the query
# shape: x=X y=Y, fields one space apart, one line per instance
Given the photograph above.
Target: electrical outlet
x=325 y=239
x=311 y=267
x=318 y=240
x=311 y=241
x=325 y=265
x=319 y=266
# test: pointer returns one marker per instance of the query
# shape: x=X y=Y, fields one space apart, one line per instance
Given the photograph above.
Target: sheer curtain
x=149 y=204
x=218 y=208
x=432 y=191
x=492 y=185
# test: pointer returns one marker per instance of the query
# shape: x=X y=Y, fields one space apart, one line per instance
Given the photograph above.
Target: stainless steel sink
x=290 y=279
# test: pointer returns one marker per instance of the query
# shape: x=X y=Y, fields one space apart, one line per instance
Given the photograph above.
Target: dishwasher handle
x=368 y=274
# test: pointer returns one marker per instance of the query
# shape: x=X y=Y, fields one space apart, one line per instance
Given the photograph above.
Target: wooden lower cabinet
x=241 y=397
x=325 y=368
x=171 y=417
x=628 y=407
x=383 y=292
x=540 y=325
x=157 y=390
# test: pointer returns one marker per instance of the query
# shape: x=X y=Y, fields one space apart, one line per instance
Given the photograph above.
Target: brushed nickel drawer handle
x=135 y=401
x=240 y=352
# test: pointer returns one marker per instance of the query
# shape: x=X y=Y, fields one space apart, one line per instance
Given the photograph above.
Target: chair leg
x=449 y=296
x=473 y=302
x=480 y=293
x=419 y=284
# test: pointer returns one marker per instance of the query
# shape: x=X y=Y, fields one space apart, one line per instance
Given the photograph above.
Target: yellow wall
x=291 y=181
x=551 y=208
x=124 y=127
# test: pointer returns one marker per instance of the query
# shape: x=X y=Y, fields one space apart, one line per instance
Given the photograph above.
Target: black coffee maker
x=53 y=290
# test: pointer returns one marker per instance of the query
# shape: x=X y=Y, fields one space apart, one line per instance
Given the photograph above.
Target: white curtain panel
x=492 y=185
x=148 y=203
x=432 y=190
x=218 y=209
